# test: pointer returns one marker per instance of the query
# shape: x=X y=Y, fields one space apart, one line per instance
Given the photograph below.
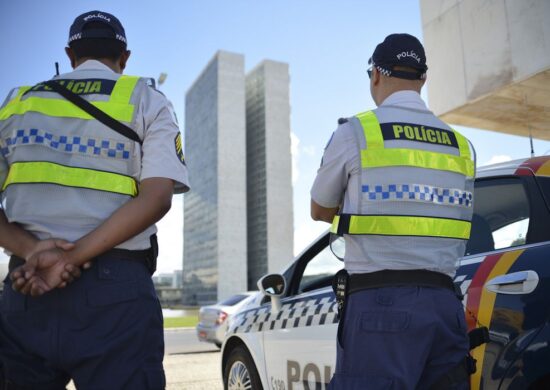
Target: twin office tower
x=238 y=218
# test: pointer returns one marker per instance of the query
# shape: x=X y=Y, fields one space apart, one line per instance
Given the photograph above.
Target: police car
x=285 y=340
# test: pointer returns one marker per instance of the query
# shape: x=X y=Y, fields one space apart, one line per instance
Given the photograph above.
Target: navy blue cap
x=116 y=30
x=400 y=50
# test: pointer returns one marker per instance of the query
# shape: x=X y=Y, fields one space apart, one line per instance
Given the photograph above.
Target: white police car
x=285 y=339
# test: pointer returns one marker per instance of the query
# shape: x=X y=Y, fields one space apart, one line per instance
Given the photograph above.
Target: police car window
x=501 y=215
x=320 y=270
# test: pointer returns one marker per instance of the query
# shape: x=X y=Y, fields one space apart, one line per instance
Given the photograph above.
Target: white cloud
x=498 y=158
x=309 y=150
x=170 y=234
x=295 y=152
x=306 y=233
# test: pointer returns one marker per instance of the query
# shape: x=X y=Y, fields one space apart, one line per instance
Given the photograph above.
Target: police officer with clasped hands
x=77 y=188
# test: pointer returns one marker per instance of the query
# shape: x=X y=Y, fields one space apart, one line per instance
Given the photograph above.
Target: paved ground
x=194 y=371
x=188 y=363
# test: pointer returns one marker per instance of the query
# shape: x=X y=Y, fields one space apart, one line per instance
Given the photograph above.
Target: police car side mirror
x=273 y=285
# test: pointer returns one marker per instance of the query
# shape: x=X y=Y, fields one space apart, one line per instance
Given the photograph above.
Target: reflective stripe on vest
x=376 y=155
x=394 y=225
x=118 y=106
x=50 y=173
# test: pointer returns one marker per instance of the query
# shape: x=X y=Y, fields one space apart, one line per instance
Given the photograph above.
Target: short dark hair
x=111 y=49
x=411 y=70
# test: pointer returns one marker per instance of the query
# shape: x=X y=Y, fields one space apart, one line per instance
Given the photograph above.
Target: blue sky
x=326 y=43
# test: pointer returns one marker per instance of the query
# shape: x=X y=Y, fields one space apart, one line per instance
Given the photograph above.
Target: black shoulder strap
x=101 y=116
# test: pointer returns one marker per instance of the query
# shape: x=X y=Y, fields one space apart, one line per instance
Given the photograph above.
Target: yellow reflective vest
x=416 y=193
x=52 y=171
x=62 y=171
x=375 y=155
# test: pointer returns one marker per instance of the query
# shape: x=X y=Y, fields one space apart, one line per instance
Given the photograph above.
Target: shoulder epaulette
x=151 y=84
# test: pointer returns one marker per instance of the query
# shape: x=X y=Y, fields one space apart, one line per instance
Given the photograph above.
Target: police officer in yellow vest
x=66 y=175
x=397 y=183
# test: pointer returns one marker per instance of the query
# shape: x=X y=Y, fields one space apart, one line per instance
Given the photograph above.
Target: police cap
x=400 y=50
x=116 y=31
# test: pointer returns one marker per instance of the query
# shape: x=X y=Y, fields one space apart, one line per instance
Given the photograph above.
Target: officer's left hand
x=21 y=284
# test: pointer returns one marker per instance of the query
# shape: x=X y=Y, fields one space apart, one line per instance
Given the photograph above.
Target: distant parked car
x=213 y=319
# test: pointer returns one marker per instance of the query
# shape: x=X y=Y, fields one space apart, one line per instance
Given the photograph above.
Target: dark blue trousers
x=399 y=338
x=104 y=331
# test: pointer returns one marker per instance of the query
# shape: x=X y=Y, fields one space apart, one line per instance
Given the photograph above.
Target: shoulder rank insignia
x=179 y=148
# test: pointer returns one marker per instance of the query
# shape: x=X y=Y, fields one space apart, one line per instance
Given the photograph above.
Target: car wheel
x=240 y=372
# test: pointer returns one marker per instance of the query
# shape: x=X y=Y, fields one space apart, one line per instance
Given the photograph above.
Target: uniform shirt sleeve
x=162 y=151
x=336 y=166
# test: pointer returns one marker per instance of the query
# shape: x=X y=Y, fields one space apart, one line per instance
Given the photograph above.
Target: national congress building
x=238 y=220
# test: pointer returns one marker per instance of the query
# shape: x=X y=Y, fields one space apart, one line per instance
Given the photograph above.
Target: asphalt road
x=188 y=363
x=185 y=341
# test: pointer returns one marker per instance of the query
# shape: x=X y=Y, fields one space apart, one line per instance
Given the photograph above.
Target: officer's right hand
x=51 y=243
x=72 y=272
x=42 y=272
x=20 y=277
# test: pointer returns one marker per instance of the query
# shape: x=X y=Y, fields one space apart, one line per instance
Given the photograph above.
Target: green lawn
x=178 y=322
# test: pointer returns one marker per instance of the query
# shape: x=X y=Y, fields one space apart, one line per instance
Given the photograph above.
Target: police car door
x=506 y=278
x=300 y=347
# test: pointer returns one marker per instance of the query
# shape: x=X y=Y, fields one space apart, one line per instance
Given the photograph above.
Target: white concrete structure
x=238 y=216
x=215 y=210
x=489 y=63
x=269 y=170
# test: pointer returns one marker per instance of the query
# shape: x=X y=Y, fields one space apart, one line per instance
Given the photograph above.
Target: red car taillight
x=221 y=317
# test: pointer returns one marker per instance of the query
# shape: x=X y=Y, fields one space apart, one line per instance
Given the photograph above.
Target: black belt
x=344 y=284
x=144 y=256
x=392 y=278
